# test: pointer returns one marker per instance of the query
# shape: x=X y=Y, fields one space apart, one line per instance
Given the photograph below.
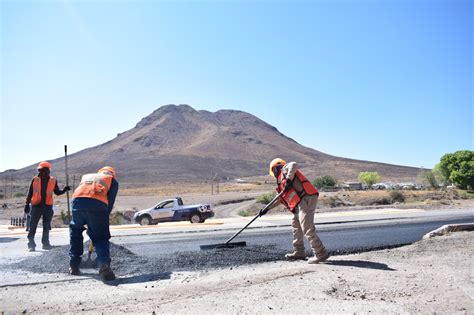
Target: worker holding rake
x=299 y=197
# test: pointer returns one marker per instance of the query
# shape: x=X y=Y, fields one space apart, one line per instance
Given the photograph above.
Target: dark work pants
x=36 y=213
x=97 y=222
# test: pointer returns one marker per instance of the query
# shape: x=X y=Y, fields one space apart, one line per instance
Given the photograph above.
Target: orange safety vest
x=95 y=186
x=291 y=198
x=36 y=198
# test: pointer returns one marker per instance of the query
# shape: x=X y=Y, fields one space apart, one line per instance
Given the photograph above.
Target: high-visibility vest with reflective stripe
x=291 y=198
x=36 y=197
x=95 y=186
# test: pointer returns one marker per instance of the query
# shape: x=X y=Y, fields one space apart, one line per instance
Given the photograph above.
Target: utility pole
x=5 y=187
x=212 y=185
x=67 y=184
x=11 y=186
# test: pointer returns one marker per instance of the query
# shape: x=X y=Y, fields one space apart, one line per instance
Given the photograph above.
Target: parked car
x=172 y=210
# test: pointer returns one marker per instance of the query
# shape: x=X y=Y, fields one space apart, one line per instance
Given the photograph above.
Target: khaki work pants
x=303 y=225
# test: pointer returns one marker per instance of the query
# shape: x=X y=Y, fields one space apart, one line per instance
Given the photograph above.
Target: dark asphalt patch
x=8 y=239
x=126 y=263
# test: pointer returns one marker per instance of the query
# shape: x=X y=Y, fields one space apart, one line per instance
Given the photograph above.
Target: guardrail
x=18 y=221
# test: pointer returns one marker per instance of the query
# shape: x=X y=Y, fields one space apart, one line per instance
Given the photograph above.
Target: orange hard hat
x=275 y=162
x=109 y=170
x=44 y=164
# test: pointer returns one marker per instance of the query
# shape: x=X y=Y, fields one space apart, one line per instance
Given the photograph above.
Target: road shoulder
x=431 y=275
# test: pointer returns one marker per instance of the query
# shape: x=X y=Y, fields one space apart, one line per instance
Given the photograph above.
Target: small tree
x=325 y=181
x=429 y=178
x=434 y=178
x=458 y=168
x=369 y=178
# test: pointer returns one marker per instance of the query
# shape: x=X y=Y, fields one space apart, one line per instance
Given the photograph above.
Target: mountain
x=177 y=143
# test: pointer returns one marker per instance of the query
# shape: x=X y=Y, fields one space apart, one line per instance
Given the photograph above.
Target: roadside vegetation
x=324 y=181
x=369 y=178
x=244 y=213
x=397 y=196
x=265 y=198
x=458 y=168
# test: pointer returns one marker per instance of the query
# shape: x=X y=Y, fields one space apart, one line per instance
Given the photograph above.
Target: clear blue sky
x=388 y=81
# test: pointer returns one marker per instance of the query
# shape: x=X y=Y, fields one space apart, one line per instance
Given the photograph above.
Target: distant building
x=353 y=185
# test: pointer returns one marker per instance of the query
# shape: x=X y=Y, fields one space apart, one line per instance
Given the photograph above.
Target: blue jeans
x=97 y=222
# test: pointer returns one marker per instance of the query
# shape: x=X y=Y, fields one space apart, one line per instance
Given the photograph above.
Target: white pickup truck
x=172 y=210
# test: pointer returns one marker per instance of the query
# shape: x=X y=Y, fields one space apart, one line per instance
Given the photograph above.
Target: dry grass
x=194 y=188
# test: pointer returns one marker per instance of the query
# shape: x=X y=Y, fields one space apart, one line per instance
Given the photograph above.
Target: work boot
x=106 y=273
x=47 y=247
x=31 y=249
x=296 y=255
x=317 y=260
x=75 y=271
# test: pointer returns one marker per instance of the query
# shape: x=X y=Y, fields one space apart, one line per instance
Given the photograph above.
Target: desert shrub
x=382 y=201
x=463 y=194
x=64 y=216
x=369 y=178
x=116 y=218
x=397 y=196
x=325 y=181
x=429 y=178
x=244 y=213
x=18 y=195
x=334 y=201
x=433 y=178
x=265 y=198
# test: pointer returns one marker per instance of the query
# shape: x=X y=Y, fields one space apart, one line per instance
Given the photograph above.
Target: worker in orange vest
x=40 y=196
x=92 y=203
x=300 y=197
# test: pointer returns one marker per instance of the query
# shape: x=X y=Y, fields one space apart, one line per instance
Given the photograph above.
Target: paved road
x=338 y=238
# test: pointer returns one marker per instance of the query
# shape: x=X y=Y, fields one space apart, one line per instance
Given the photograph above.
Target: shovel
x=228 y=243
x=89 y=263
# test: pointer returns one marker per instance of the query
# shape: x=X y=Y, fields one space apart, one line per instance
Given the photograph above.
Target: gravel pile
x=125 y=262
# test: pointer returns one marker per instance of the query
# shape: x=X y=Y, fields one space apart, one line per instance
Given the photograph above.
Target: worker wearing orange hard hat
x=92 y=203
x=40 y=196
x=300 y=197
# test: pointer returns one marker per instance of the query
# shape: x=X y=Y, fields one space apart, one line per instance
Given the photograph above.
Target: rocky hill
x=177 y=143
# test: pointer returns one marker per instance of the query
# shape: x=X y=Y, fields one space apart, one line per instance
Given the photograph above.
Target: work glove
x=288 y=185
x=27 y=208
x=67 y=188
x=263 y=212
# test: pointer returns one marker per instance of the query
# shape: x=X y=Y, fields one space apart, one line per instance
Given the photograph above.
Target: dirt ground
x=430 y=276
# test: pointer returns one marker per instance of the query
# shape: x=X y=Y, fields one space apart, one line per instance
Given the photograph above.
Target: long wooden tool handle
x=67 y=184
x=255 y=218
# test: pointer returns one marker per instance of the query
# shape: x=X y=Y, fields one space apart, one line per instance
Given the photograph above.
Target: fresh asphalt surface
x=339 y=238
x=147 y=256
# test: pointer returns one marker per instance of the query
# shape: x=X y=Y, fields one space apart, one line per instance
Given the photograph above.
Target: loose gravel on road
x=125 y=262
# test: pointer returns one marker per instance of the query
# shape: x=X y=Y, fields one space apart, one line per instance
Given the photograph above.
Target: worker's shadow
x=359 y=264
x=140 y=278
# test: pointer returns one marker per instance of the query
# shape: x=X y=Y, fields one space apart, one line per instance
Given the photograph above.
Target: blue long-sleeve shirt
x=83 y=203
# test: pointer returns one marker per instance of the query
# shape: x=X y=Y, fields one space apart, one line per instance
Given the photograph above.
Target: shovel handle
x=67 y=183
x=255 y=218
